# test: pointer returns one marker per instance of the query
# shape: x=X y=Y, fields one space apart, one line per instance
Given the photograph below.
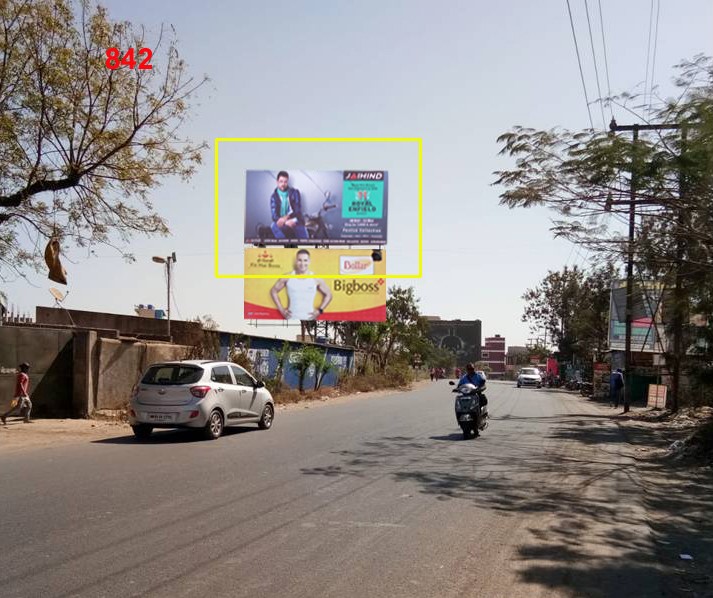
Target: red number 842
x=113 y=61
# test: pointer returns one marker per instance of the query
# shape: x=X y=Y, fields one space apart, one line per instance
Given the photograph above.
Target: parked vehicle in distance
x=199 y=394
x=529 y=377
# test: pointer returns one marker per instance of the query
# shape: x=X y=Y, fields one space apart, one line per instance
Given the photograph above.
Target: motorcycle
x=471 y=409
x=573 y=384
x=315 y=224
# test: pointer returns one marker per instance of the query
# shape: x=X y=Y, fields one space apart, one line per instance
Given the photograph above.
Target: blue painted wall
x=263 y=352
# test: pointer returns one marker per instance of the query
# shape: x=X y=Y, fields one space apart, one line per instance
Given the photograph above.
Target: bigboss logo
x=354 y=286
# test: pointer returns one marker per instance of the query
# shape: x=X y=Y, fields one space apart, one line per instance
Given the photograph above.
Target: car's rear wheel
x=142 y=431
x=214 y=428
x=268 y=415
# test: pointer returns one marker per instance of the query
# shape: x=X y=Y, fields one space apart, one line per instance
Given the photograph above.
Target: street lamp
x=171 y=259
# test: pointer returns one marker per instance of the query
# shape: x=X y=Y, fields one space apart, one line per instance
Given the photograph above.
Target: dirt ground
x=43 y=433
x=677 y=486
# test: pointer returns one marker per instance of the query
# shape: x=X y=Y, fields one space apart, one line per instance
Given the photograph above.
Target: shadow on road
x=584 y=479
x=174 y=436
x=450 y=437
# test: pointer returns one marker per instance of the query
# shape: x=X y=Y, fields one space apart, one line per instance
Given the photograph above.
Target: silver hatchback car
x=207 y=395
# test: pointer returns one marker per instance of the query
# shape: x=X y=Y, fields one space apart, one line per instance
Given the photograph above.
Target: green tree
x=585 y=177
x=573 y=307
x=239 y=351
x=83 y=145
x=553 y=305
x=539 y=351
x=438 y=357
x=322 y=367
x=282 y=355
x=404 y=328
x=307 y=358
x=401 y=337
x=207 y=322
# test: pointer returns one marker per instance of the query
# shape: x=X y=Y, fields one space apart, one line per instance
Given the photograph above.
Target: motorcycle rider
x=474 y=378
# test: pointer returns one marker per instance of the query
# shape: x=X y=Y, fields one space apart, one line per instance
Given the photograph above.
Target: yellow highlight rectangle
x=417 y=140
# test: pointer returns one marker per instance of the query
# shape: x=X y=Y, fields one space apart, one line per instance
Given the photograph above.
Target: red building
x=494 y=355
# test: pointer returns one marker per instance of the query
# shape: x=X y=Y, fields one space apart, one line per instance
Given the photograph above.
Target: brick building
x=493 y=354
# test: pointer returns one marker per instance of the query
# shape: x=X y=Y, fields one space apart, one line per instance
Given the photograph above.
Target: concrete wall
x=118 y=365
x=183 y=333
x=50 y=354
x=75 y=372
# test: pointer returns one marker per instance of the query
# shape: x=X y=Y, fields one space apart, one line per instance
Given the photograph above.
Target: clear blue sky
x=455 y=73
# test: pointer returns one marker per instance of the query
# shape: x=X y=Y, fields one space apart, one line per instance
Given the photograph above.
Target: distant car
x=529 y=377
x=199 y=394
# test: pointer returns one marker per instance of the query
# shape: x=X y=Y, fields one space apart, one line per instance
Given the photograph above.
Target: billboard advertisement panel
x=295 y=299
x=325 y=207
x=646 y=326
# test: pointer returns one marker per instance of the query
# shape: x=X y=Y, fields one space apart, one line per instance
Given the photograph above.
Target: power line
x=173 y=296
x=648 y=51
x=596 y=68
x=653 y=62
x=579 y=62
x=606 y=61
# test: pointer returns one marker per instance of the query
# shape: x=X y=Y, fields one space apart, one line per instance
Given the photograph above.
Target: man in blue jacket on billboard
x=286 y=208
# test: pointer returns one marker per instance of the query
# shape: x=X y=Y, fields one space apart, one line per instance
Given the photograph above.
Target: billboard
x=295 y=299
x=646 y=326
x=324 y=207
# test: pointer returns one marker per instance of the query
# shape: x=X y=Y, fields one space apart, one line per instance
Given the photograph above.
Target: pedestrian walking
x=433 y=373
x=21 y=397
x=616 y=384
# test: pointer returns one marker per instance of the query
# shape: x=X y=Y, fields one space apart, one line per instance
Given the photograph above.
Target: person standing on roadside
x=21 y=397
x=617 y=387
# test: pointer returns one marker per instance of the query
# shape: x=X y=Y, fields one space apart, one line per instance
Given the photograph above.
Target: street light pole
x=171 y=259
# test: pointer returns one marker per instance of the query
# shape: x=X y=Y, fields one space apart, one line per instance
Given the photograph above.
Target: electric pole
x=632 y=203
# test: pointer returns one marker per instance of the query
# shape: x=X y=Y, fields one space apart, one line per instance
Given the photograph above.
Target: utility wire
x=653 y=62
x=579 y=62
x=606 y=60
x=648 y=52
x=596 y=68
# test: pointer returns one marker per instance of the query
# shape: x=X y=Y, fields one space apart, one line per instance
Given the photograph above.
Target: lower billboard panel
x=296 y=299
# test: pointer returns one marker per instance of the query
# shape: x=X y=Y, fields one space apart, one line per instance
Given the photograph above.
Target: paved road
x=368 y=497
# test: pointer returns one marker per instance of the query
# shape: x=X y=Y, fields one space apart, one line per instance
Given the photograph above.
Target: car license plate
x=161 y=417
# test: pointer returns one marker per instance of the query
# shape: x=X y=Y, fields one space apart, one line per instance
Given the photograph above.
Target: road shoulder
x=18 y=436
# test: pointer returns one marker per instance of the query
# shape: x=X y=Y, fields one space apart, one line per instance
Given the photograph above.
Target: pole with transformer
x=632 y=202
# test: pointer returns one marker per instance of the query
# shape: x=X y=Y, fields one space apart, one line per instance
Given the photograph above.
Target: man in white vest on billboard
x=301 y=292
